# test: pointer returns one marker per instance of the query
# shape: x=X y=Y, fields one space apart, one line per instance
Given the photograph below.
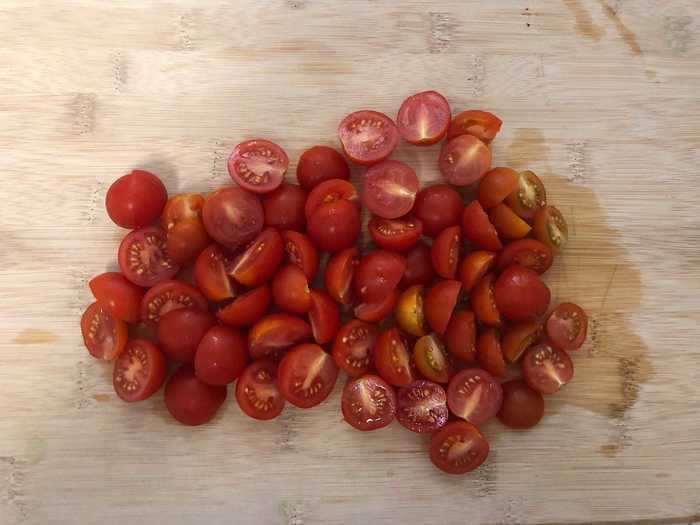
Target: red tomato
x=529 y=253
x=550 y=228
x=522 y=406
x=422 y=406
x=186 y=240
x=547 y=369
x=432 y=360
x=474 y=266
x=221 y=356
x=118 y=295
x=256 y=390
x=409 y=311
x=423 y=118
x=319 y=164
x=445 y=252
x=567 y=326
x=389 y=189
x=368 y=403
x=483 y=301
x=458 y=447
x=481 y=124
x=306 y=375
x=393 y=359
x=520 y=294
x=136 y=200
x=507 y=223
x=191 y=401
x=258 y=165
x=464 y=160
x=104 y=335
x=300 y=250
x=181 y=330
x=373 y=312
x=339 y=273
x=182 y=207
x=478 y=229
x=419 y=266
x=496 y=185
x=519 y=337
x=139 y=371
x=395 y=234
x=284 y=207
x=440 y=302
x=489 y=353
x=353 y=345
x=259 y=261
x=233 y=216
x=324 y=317
x=328 y=192
x=246 y=309
x=144 y=258
x=460 y=336
x=438 y=207
x=211 y=271
x=167 y=296
x=272 y=335
x=368 y=136
x=290 y=290
x=528 y=196
x=377 y=274
x=474 y=395
x=335 y=226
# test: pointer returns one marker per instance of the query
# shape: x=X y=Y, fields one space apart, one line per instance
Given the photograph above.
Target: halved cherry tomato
x=290 y=290
x=529 y=253
x=419 y=266
x=528 y=196
x=353 y=346
x=181 y=330
x=211 y=273
x=139 y=371
x=519 y=337
x=191 y=401
x=368 y=136
x=438 y=207
x=328 y=192
x=483 y=301
x=118 y=295
x=335 y=226
x=104 y=335
x=136 y=200
x=300 y=250
x=422 y=406
x=432 y=360
x=233 y=216
x=481 y=124
x=474 y=266
x=306 y=375
x=284 y=207
x=440 y=301
x=393 y=358
x=246 y=309
x=522 y=406
x=258 y=165
x=321 y=163
x=464 y=160
x=445 y=252
x=489 y=353
x=186 y=240
x=507 y=223
x=144 y=258
x=520 y=294
x=389 y=189
x=167 y=296
x=567 y=326
x=409 y=311
x=496 y=185
x=339 y=273
x=221 y=356
x=259 y=261
x=458 y=447
x=550 y=228
x=423 y=118
x=547 y=369
x=182 y=207
x=373 y=312
x=478 y=228
x=395 y=234
x=324 y=317
x=272 y=335
x=460 y=336
x=377 y=274
x=256 y=390
x=474 y=395
x=368 y=403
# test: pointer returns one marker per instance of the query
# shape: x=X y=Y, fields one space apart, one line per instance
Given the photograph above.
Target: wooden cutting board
x=600 y=98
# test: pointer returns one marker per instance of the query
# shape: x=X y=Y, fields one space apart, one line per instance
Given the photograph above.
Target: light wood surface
x=601 y=98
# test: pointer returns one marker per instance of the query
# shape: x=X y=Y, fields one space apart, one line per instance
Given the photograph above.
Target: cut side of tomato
x=474 y=395
x=550 y=228
x=440 y=302
x=464 y=160
x=395 y=234
x=507 y=223
x=480 y=124
x=118 y=295
x=518 y=337
x=339 y=273
x=257 y=393
x=478 y=229
x=353 y=346
x=458 y=447
x=375 y=311
x=368 y=137
x=393 y=359
x=144 y=258
x=445 y=252
x=258 y=165
x=529 y=253
x=246 y=309
x=483 y=301
x=432 y=360
x=104 y=335
x=389 y=189
x=167 y=296
x=211 y=273
x=324 y=317
x=272 y=335
x=474 y=266
x=422 y=406
x=259 y=260
x=306 y=375
x=300 y=250
x=567 y=326
x=409 y=311
x=489 y=352
x=528 y=196
x=368 y=403
x=547 y=369
x=139 y=371
x=423 y=118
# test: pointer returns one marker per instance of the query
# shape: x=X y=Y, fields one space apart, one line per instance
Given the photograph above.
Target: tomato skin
x=246 y=309
x=191 y=401
x=389 y=189
x=136 y=199
x=464 y=160
x=139 y=371
x=546 y=369
x=144 y=259
x=395 y=234
x=439 y=304
x=353 y=346
x=328 y=192
x=519 y=337
x=422 y=406
x=375 y=129
x=233 y=216
x=182 y=207
x=496 y=185
x=393 y=359
x=432 y=360
x=507 y=223
x=319 y=164
x=483 y=301
x=522 y=406
x=445 y=252
x=94 y=322
x=528 y=196
x=373 y=312
x=272 y=335
x=409 y=311
x=478 y=229
x=294 y=378
x=259 y=261
x=258 y=165
x=419 y=266
x=567 y=327
x=489 y=353
x=339 y=274
x=458 y=432
x=211 y=274
x=335 y=226
x=300 y=250
x=423 y=118
x=550 y=228
x=221 y=356
x=529 y=253
x=377 y=274
x=118 y=295
x=460 y=336
x=284 y=207
x=181 y=330
x=290 y=290
x=324 y=317
x=257 y=393
x=474 y=266
x=167 y=296
x=474 y=395
x=186 y=240
x=520 y=294
x=358 y=393
x=481 y=124
x=438 y=207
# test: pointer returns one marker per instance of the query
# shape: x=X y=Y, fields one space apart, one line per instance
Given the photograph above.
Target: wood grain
x=600 y=97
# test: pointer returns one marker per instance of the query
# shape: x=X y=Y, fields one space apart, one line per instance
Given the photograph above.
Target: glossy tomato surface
x=483 y=301
x=324 y=317
x=335 y=226
x=211 y=273
x=550 y=228
x=547 y=369
x=445 y=252
x=258 y=165
x=520 y=294
x=353 y=347
x=306 y=375
x=284 y=207
x=221 y=356
x=247 y=308
x=184 y=227
x=118 y=295
x=508 y=225
x=272 y=335
x=393 y=358
x=423 y=118
x=368 y=137
x=260 y=259
x=464 y=160
x=440 y=302
x=460 y=336
x=299 y=250
x=522 y=406
x=181 y=330
x=290 y=290
x=136 y=200
x=422 y=406
x=167 y=296
x=377 y=274
x=257 y=393
x=375 y=311
x=233 y=216
x=104 y=335
x=474 y=395
x=419 y=266
x=529 y=253
x=438 y=207
x=191 y=401
x=480 y=124
x=567 y=326
x=478 y=229
x=458 y=447
x=389 y=189
x=321 y=163
x=432 y=360
x=489 y=352
x=395 y=234
x=474 y=266
x=496 y=185
x=518 y=337
x=139 y=371
x=528 y=196
x=328 y=192
x=409 y=311
x=144 y=259
x=339 y=273
x=368 y=403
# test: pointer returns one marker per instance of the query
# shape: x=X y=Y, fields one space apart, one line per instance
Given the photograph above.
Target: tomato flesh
x=484 y=303
x=324 y=317
x=422 y=406
x=191 y=401
x=440 y=302
x=464 y=160
x=522 y=406
x=136 y=200
x=246 y=309
x=508 y=224
x=458 y=447
x=395 y=234
x=481 y=124
x=520 y=294
x=375 y=311
x=518 y=337
x=393 y=359
x=489 y=352
x=319 y=164
x=306 y=375
x=272 y=335
x=257 y=393
x=144 y=258
x=445 y=252
x=567 y=326
x=474 y=395
x=496 y=185
x=259 y=260
x=118 y=295
x=300 y=250
x=167 y=296
x=389 y=189
x=547 y=369
x=409 y=311
x=478 y=229
x=211 y=273
x=139 y=371
x=290 y=290
x=104 y=335
x=431 y=359
x=423 y=118
x=528 y=196
x=550 y=228
x=529 y=253
x=258 y=165
x=339 y=273
x=368 y=403
x=474 y=266
x=368 y=137
x=353 y=346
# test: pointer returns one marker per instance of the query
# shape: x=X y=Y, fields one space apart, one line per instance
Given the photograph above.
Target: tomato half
x=377 y=274
x=409 y=311
x=368 y=136
x=423 y=118
x=182 y=222
x=522 y=406
x=458 y=447
x=284 y=207
x=256 y=390
x=395 y=234
x=518 y=337
x=481 y=124
x=375 y=311
x=321 y=163
x=258 y=165
x=300 y=250
x=181 y=330
x=393 y=358
x=324 y=317
x=259 y=261
x=221 y=356
x=144 y=258
x=483 y=301
x=104 y=335
x=550 y=228
x=529 y=253
x=489 y=352
x=290 y=290
x=438 y=207
x=528 y=196
x=368 y=403
x=474 y=266
x=272 y=335
x=507 y=223
x=211 y=273
x=182 y=207
x=118 y=295
x=353 y=345
x=460 y=336
x=233 y=216
x=478 y=229
x=328 y=192
x=496 y=185
x=464 y=160
x=335 y=226
x=247 y=308
x=474 y=395
x=191 y=401
x=167 y=296
x=445 y=252
x=440 y=302
x=389 y=189
x=547 y=369
x=339 y=273
x=567 y=326
x=431 y=359
x=419 y=266
x=520 y=294
x=306 y=375
x=139 y=371
x=422 y=406
x=136 y=200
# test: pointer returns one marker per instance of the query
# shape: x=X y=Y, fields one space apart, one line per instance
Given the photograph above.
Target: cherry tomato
x=339 y=273
x=290 y=290
x=474 y=266
x=353 y=346
x=256 y=390
x=368 y=403
x=520 y=294
x=181 y=330
x=139 y=371
x=422 y=406
x=478 y=228
x=182 y=207
x=409 y=311
x=321 y=163
x=458 y=447
x=335 y=226
x=567 y=327
x=221 y=356
x=481 y=124
x=419 y=266
x=496 y=185
x=306 y=375
x=483 y=301
x=395 y=234
x=528 y=196
x=300 y=250
x=519 y=337
x=167 y=296
x=186 y=240
x=136 y=200
x=211 y=273
x=507 y=223
x=432 y=360
x=522 y=406
x=144 y=258
x=423 y=118
x=393 y=358
x=460 y=336
x=233 y=216
x=259 y=261
x=104 y=335
x=368 y=136
x=373 y=312
x=324 y=317
x=284 y=207
x=389 y=189
x=118 y=295
x=438 y=207
x=474 y=395
x=546 y=369
x=246 y=309
x=191 y=401
x=328 y=192
x=258 y=165
x=440 y=302
x=529 y=253
x=489 y=353
x=272 y=335
x=377 y=274
x=550 y=228
x=464 y=160
x=445 y=252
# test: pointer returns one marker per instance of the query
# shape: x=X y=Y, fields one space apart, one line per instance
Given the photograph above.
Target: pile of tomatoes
x=425 y=323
